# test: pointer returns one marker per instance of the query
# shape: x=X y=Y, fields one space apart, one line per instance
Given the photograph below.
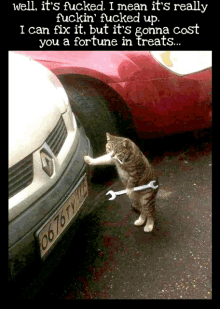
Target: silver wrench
x=114 y=194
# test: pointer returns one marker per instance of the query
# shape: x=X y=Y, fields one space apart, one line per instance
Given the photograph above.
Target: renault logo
x=47 y=162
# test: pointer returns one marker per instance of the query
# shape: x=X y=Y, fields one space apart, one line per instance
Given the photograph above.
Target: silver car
x=48 y=179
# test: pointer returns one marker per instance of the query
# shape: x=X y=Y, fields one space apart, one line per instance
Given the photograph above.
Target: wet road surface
x=110 y=258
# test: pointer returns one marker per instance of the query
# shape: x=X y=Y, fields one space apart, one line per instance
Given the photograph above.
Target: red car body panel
x=161 y=101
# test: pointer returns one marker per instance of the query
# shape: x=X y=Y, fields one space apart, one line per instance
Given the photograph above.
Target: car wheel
x=93 y=113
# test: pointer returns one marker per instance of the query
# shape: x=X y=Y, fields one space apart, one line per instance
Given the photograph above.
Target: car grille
x=20 y=175
x=57 y=137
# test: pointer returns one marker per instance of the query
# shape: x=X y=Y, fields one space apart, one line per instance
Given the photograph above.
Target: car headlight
x=184 y=62
x=64 y=101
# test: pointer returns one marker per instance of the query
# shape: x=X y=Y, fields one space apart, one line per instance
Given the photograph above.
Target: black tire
x=92 y=111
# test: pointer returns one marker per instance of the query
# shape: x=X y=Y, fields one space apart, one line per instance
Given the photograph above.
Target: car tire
x=93 y=113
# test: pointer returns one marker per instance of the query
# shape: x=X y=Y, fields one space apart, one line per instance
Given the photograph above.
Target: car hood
x=34 y=106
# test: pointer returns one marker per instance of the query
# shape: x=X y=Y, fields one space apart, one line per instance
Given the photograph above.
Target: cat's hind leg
x=137 y=206
x=140 y=220
x=148 y=208
x=149 y=225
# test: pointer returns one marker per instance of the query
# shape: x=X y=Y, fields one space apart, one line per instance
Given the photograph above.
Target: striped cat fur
x=134 y=170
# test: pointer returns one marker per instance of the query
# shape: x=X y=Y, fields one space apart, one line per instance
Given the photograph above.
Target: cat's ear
x=108 y=136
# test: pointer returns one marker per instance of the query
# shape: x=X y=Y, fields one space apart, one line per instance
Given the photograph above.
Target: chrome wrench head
x=151 y=184
x=113 y=195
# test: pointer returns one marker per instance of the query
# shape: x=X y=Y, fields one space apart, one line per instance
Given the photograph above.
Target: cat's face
x=118 y=146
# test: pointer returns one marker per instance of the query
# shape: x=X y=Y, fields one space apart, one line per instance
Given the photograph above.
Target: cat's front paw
x=88 y=160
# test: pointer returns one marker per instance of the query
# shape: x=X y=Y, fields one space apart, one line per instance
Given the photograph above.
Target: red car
x=160 y=92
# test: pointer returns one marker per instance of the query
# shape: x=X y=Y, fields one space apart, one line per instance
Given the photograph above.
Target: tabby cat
x=134 y=170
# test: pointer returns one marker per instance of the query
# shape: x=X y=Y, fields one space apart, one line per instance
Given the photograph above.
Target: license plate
x=51 y=231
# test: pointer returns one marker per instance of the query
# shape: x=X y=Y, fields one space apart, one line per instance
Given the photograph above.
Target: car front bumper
x=26 y=249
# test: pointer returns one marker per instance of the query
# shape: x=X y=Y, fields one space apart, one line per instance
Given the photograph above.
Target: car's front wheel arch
x=93 y=100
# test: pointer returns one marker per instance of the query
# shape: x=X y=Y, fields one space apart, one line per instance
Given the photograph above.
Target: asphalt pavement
x=111 y=258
